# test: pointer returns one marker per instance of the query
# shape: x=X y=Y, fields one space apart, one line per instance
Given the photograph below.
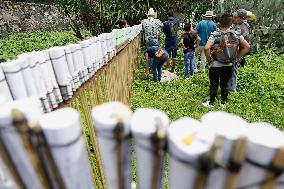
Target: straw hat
x=209 y=14
x=250 y=16
x=151 y=12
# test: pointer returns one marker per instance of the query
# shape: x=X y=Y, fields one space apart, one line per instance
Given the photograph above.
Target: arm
x=244 y=48
x=182 y=45
x=196 y=30
x=198 y=39
x=207 y=51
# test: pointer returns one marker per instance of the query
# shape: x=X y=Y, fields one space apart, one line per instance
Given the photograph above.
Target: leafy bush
x=260 y=96
x=269 y=18
x=100 y=16
x=19 y=43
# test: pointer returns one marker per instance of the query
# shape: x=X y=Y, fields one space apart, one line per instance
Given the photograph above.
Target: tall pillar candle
x=44 y=61
x=107 y=117
x=34 y=62
x=73 y=69
x=85 y=46
x=188 y=141
x=264 y=141
x=4 y=88
x=31 y=107
x=56 y=89
x=230 y=128
x=58 y=59
x=63 y=132
x=143 y=127
x=15 y=80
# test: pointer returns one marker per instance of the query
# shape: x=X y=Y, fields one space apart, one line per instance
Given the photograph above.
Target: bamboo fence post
x=208 y=160
x=238 y=157
x=277 y=164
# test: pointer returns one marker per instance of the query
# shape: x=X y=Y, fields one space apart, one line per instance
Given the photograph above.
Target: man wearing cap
x=152 y=28
x=240 y=25
x=204 y=30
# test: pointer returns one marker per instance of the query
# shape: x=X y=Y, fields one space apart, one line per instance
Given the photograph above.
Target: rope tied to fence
x=119 y=136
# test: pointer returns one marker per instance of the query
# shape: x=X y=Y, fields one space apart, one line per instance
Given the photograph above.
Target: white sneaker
x=223 y=105
x=207 y=104
x=196 y=70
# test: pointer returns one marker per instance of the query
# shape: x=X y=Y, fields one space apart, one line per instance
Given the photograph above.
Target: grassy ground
x=260 y=95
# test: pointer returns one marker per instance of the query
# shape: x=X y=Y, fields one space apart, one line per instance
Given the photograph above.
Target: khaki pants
x=200 y=58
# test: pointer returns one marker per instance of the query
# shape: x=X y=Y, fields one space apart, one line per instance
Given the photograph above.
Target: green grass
x=260 y=94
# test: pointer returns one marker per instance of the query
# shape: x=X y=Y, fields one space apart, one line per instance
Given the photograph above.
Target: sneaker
x=208 y=104
x=223 y=105
x=196 y=70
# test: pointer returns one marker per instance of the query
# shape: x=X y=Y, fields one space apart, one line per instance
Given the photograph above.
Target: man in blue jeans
x=170 y=29
x=160 y=56
x=189 y=42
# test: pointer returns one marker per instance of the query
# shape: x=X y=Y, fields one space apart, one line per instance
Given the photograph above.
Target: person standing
x=240 y=25
x=189 y=42
x=152 y=29
x=170 y=29
x=204 y=30
x=228 y=46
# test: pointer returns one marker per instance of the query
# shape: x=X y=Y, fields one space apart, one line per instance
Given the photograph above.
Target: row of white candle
x=188 y=140
x=53 y=75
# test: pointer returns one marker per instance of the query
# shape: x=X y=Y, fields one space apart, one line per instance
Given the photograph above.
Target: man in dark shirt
x=189 y=42
x=160 y=56
x=170 y=29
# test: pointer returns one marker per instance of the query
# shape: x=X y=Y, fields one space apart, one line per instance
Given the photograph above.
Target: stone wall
x=24 y=17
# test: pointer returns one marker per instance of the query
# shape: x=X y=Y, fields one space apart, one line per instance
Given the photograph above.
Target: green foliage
x=100 y=16
x=260 y=96
x=18 y=43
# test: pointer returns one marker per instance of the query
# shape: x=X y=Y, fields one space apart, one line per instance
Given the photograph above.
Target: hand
x=195 y=46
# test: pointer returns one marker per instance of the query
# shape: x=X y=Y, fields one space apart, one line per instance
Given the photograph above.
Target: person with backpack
x=204 y=30
x=189 y=42
x=170 y=29
x=228 y=46
x=240 y=25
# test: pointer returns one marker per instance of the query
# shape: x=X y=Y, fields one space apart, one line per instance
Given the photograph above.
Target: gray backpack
x=226 y=47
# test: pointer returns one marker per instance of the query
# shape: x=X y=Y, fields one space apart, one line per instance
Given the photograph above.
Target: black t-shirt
x=189 y=40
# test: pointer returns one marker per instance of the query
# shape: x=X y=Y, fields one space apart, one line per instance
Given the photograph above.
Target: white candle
x=4 y=88
x=143 y=126
x=230 y=128
x=106 y=117
x=31 y=107
x=63 y=131
x=58 y=59
x=15 y=80
x=188 y=141
x=264 y=140
x=56 y=89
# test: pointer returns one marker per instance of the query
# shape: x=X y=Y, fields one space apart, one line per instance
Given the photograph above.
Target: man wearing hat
x=204 y=30
x=241 y=26
x=152 y=28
